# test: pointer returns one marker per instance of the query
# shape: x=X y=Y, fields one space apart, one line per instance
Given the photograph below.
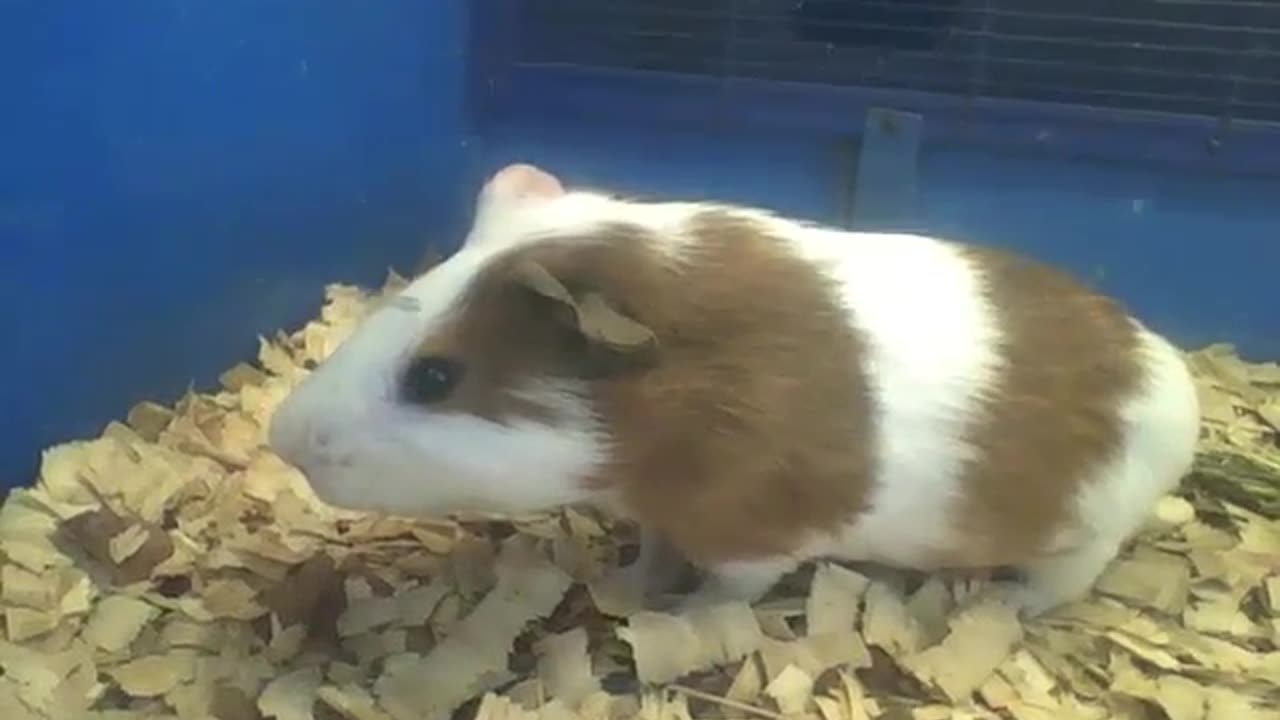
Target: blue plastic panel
x=1215 y=58
x=1179 y=83
x=796 y=176
x=1194 y=255
x=1155 y=176
x=1175 y=142
x=177 y=176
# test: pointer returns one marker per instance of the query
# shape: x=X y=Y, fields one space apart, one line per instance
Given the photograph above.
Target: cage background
x=1215 y=58
x=1190 y=84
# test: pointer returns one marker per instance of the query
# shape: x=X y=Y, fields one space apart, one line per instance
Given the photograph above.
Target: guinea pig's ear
x=521 y=181
x=602 y=325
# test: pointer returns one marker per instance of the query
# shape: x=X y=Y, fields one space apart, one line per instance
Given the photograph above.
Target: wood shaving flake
x=888 y=624
x=116 y=622
x=497 y=707
x=564 y=667
x=1219 y=614
x=747 y=683
x=411 y=606
x=286 y=643
x=351 y=702
x=931 y=606
x=371 y=647
x=1159 y=581
x=19 y=586
x=231 y=598
x=1228 y=705
x=471 y=658
x=1260 y=537
x=1273 y=594
x=829 y=708
x=79 y=593
x=127 y=543
x=58 y=640
x=34 y=678
x=725 y=632
x=78 y=692
x=816 y=653
x=835 y=594
x=1026 y=676
x=616 y=593
x=980 y=639
x=1146 y=650
x=527 y=693
x=365 y=614
x=276 y=359
x=149 y=419
x=154 y=675
x=791 y=689
x=182 y=633
x=33 y=554
x=22 y=624
x=291 y=696
x=665 y=646
x=1181 y=698
x=853 y=701
x=776 y=624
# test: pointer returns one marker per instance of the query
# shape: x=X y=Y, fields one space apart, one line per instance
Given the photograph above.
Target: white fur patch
x=361 y=447
x=932 y=342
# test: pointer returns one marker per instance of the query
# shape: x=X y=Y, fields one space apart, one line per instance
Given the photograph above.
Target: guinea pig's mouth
x=333 y=487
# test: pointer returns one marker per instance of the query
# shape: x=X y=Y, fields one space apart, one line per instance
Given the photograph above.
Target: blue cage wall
x=177 y=176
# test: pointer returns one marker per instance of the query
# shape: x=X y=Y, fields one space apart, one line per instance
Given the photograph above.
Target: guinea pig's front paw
x=1032 y=598
x=1028 y=601
x=710 y=594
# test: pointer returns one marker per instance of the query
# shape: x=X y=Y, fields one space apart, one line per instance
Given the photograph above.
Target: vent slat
x=1219 y=58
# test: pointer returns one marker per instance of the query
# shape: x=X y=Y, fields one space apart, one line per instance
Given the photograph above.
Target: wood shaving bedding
x=174 y=568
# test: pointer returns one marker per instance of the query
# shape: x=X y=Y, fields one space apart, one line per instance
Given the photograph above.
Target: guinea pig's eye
x=430 y=379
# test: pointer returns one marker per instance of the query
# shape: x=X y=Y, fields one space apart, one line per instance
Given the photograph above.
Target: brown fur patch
x=755 y=425
x=1054 y=419
x=751 y=423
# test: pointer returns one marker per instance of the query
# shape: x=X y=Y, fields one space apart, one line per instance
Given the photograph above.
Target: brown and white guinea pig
x=755 y=391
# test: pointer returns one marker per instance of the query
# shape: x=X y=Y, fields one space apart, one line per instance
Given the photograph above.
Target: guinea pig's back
x=1016 y=410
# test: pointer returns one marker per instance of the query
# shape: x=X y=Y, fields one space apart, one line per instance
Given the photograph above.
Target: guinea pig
x=755 y=392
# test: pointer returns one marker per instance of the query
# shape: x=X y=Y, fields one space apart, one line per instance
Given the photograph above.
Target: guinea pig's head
x=472 y=388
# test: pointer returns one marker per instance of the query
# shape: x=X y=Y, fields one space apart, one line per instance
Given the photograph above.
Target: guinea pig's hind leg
x=1062 y=577
x=740 y=581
